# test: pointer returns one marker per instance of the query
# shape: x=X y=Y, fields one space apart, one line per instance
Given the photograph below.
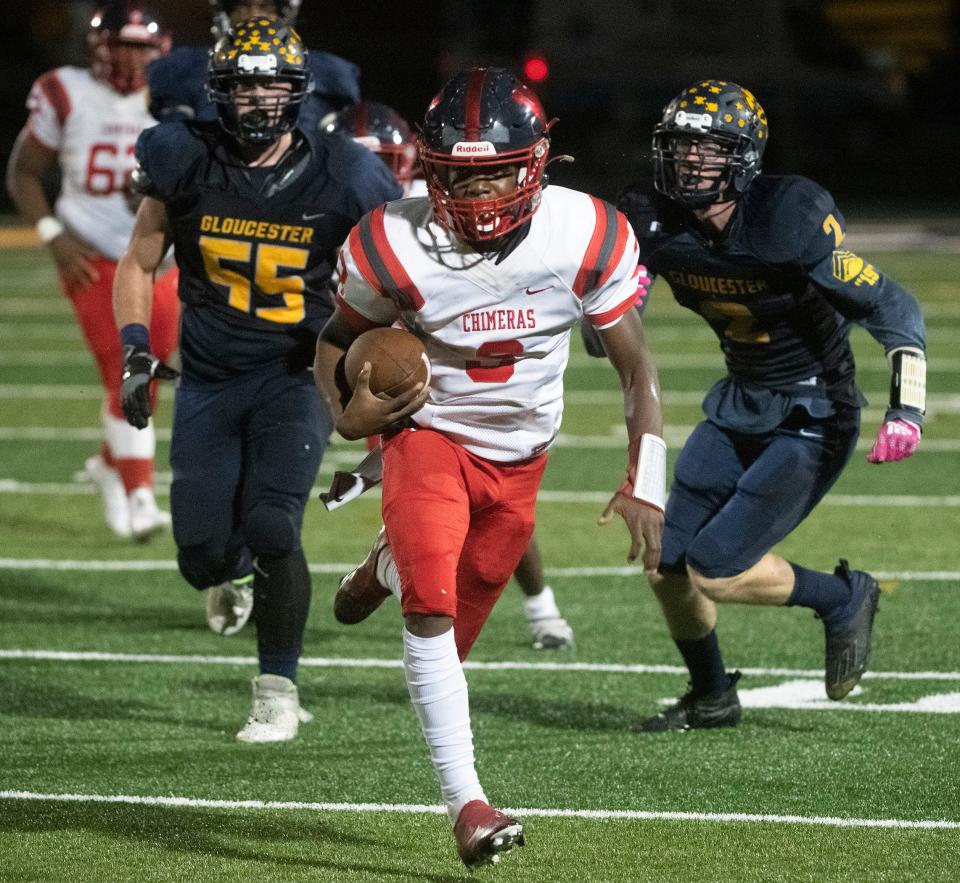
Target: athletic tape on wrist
x=49 y=228
x=650 y=482
x=908 y=379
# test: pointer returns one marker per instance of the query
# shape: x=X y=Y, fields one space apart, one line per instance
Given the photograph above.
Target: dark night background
x=860 y=94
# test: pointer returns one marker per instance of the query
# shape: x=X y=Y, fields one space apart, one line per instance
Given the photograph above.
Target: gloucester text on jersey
x=716 y=284
x=255 y=229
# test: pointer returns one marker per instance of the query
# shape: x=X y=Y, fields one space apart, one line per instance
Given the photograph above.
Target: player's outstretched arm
x=357 y=413
x=132 y=307
x=640 y=499
x=28 y=162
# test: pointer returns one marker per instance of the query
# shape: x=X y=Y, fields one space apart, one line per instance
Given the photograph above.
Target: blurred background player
x=257 y=209
x=761 y=258
x=87 y=120
x=379 y=128
x=178 y=81
x=461 y=473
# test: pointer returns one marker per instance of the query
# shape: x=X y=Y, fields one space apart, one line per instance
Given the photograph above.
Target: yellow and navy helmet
x=261 y=51
x=709 y=145
x=221 y=10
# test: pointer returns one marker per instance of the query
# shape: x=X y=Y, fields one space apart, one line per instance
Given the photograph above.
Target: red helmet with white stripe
x=123 y=38
x=484 y=118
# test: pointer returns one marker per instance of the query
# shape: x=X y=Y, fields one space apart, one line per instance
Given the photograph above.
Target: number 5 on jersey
x=267 y=261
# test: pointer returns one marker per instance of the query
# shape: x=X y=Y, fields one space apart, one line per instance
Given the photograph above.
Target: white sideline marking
x=529 y=812
x=808 y=696
x=332 y=662
x=140 y=566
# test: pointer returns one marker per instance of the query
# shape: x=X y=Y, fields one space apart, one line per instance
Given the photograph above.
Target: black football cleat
x=697 y=712
x=482 y=833
x=360 y=592
x=848 y=641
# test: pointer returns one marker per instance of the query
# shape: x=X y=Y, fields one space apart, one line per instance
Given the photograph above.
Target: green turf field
x=119 y=707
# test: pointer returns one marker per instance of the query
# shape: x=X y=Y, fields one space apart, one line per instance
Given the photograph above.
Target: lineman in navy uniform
x=256 y=209
x=178 y=82
x=761 y=258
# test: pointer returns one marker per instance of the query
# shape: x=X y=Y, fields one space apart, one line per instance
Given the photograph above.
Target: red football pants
x=93 y=305
x=457 y=525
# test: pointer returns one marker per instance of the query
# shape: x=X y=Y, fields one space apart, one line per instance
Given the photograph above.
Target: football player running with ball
x=87 y=121
x=491 y=272
x=762 y=259
x=379 y=128
x=256 y=208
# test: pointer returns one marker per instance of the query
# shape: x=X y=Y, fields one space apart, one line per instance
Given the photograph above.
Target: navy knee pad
x=270 y=529
x=205 y=565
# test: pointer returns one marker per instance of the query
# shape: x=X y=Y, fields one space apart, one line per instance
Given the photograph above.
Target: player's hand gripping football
x=140 y=366
x=645 y=523
x=897 y=439
x=369 y=414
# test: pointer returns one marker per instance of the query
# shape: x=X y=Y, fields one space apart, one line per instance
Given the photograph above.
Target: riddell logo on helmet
x=473 y=148
x=699 y=121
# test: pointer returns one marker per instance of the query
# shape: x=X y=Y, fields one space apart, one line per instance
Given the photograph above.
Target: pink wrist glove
x=896 y=440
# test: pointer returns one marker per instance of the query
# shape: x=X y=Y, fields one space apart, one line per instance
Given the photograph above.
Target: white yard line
x=140 y=566
x=81 y=489
x=528 y=812
x=337 y=662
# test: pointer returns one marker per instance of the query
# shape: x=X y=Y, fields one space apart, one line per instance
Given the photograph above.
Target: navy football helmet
x=381 y=129
x=260 y=51
x=123 y=38
x=221 y=10
x=709 y=145
x=484 y=118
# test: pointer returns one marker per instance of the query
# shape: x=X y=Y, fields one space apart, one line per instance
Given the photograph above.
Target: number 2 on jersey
x=741 y=327
x=268 y=261
x=503 y=355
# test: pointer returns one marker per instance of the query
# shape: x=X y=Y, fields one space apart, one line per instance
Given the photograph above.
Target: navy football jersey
x=780 y=291
x=178 y=86
x=256 y=246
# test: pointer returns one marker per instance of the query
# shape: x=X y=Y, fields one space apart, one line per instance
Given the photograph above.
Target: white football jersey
x=497 y=334
x=94 y=130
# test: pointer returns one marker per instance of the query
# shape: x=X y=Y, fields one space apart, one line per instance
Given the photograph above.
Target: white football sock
x=542 y=606
x=387 y=573
x=438 y=691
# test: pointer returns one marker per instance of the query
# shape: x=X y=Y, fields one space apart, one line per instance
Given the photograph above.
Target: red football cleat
x=360 y=592
x=483 y=832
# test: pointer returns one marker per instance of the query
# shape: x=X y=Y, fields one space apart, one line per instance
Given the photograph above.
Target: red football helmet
x=381 y=129
x=484 y=118
x=123 y=39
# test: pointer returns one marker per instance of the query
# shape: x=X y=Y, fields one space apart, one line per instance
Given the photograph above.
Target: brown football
x=398 y=361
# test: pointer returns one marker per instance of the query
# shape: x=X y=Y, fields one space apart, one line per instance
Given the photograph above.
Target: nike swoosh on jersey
x=307 y=217
x=538 y=290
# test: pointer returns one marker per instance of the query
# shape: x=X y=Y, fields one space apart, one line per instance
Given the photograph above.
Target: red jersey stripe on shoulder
x=613 y=314
x=360 y=259
x=355 y=319
x=582 y=283
x=619 y=247
x=398 y=282
x=55 y=92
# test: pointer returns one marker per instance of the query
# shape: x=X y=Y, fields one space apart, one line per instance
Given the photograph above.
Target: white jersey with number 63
x=93 y=129
x=497 y=334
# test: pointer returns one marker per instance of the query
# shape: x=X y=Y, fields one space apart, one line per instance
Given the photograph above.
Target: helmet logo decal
x=473 y=148
x=701 y=122
x=265 y=63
